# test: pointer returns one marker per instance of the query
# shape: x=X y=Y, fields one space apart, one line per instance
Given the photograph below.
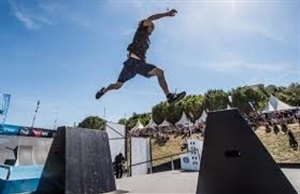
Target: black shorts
x=134 y=66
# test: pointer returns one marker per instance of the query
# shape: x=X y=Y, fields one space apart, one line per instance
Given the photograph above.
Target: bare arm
x=170 y=13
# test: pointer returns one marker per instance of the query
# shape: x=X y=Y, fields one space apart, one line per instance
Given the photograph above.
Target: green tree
x=193 y=106
x=241 y=97
x=163 y=110
x=292 y=93
x=215 y=99
x=173 y=113
x=144 y=119
x=271 y=89
x=289 y=95
x=92 y=122
x=159 y=112
x=122 y=121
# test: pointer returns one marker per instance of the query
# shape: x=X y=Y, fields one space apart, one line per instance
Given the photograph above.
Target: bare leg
x=114 y=86
x=159 y=73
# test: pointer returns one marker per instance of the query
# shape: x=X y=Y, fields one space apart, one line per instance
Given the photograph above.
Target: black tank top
x=140 y=42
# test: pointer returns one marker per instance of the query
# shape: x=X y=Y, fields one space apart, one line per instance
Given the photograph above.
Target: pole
x=35 y=113
x=172 y=164
x=126 y=148
x=104 y=113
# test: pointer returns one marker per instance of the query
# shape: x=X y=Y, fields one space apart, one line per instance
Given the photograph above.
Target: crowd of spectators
x=278 y=122
x=275 y=122
x=162 y=134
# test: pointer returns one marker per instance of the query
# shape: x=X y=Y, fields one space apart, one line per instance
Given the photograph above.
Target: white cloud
x=238 y=66
x=205 y=30
x=212 y=21
x=48 y=13
x=55 y=9
x=23 y=17
x=27 y=17
x=79 y=20
x=233 y=63
x=44 y=20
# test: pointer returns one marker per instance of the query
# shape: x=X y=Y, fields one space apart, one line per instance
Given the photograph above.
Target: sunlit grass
x=277 y=145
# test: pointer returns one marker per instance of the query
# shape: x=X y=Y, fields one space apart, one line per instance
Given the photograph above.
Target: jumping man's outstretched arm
x=170 y=13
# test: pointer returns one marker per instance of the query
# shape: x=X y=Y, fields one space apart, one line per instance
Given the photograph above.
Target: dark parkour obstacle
x=79 y=161
x=235 y=161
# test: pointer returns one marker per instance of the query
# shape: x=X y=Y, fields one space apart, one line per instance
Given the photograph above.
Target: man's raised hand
x=172 y=12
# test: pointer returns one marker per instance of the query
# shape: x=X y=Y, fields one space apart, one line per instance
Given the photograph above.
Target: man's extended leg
x=127 y=73
x=159 y=73
x=114 y=86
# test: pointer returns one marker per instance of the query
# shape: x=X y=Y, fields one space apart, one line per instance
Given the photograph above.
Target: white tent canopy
x=275 y=104
x=137 y=126
x=183 y=120
x=151 y=124
x=202 y=117
x=165 y=123
x=268 y=108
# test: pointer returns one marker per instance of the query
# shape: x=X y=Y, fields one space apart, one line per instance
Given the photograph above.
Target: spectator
x=276 y=129
x=292 y=140
x=119 y=161
x=268 y=129
x=284 y=128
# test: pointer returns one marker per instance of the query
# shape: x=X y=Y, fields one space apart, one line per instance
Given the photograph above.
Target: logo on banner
x=186 y=160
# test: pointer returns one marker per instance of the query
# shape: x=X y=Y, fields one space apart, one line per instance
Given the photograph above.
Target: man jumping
x=136 y=62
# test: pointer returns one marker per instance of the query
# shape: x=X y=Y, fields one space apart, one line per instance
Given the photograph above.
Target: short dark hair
x=141 y=23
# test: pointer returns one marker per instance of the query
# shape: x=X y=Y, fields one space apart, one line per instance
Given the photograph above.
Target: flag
x=230 y=99
x=4 y=100
x=252 y=106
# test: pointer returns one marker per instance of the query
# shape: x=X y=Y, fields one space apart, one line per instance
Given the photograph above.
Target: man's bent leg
x=159 y=73
x=172 y=97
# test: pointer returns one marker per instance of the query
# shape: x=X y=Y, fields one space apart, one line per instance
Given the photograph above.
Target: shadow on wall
x=167 y=166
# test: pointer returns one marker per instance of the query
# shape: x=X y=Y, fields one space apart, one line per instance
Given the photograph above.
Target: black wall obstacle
x=79 y=161
x=235 y=161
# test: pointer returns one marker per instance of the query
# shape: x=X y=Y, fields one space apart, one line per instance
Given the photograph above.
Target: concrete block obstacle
x=79 y=161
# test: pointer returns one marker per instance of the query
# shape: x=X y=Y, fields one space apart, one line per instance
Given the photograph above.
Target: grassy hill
x=277 y=145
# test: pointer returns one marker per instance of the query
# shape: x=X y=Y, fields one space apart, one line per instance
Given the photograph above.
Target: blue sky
x=62 y=52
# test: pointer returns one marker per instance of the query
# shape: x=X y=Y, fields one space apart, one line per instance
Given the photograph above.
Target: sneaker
x=174 y=98
x=100 y=93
